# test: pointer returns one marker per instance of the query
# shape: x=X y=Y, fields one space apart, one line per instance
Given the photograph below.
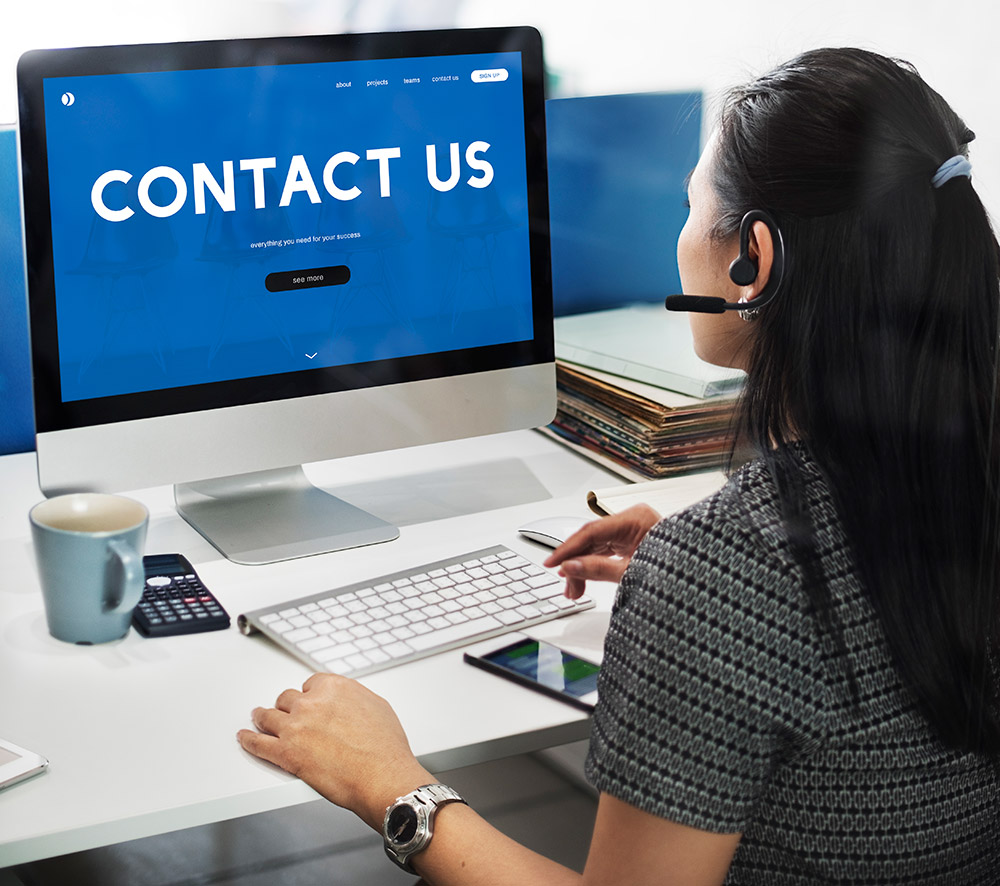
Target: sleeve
x=711 y=676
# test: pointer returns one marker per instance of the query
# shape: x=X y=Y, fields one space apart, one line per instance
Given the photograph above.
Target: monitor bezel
x=52 y=414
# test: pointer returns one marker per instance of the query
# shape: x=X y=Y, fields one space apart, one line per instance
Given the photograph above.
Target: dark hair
x=880 y=354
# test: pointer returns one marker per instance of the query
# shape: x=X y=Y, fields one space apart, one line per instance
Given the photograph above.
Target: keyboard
x=373 y=625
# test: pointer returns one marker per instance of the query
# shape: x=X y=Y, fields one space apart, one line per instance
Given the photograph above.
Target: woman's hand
x=601 y=550
x=342 y=740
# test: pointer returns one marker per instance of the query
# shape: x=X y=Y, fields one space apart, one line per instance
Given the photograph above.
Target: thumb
x=594 y=568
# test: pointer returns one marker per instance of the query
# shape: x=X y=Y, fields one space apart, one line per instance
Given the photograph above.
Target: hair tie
x=957 y=165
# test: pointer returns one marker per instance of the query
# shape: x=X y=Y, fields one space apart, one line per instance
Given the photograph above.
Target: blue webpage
x=233 y=223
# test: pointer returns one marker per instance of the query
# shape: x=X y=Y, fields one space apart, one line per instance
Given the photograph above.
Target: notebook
x=646 y=343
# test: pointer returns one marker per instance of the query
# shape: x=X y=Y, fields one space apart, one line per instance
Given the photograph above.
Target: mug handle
x=133 y=575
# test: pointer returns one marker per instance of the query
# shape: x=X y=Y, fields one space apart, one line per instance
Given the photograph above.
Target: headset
x=743 y=271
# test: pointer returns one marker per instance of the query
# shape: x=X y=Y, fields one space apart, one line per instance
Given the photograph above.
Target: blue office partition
x=17 y=428
x=617 y=172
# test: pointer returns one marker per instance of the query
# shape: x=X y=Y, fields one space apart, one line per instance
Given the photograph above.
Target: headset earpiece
x=743 y=270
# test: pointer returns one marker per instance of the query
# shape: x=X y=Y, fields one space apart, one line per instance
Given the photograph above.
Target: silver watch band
x=436 y=793
x=419 y=807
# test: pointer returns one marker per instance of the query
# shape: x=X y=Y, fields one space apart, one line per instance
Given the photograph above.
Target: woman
x=798 y=682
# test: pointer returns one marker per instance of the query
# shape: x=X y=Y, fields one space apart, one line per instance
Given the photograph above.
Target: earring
x=748 y=314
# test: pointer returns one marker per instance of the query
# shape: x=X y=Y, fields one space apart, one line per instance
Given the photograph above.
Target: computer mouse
x=552 y=531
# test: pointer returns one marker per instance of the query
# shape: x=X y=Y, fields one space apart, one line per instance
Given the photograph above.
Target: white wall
x=595 y=46
x=602 y=46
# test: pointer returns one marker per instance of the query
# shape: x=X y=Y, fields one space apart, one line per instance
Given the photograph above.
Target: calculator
x=175 y=600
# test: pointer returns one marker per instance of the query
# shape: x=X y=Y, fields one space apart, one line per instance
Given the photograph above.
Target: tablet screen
x=7 y=757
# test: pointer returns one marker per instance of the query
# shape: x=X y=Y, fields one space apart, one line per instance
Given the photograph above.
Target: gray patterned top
x=726 y=707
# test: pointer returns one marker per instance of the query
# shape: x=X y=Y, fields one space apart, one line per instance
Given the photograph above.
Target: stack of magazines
x=639 y=430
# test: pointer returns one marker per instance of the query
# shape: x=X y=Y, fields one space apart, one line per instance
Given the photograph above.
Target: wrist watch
x=409 y=822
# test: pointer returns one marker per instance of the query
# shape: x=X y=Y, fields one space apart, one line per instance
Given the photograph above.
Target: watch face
x=402 y=825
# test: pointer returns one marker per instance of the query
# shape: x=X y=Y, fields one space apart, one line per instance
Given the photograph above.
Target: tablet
x=17 y=764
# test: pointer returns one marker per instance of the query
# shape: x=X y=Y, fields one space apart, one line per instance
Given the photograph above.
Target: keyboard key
x=328 y=656
x=561 y=603
x=345 y=649
x=397 y=650
x=314 y=643
x=455 y=632
x=509 y=617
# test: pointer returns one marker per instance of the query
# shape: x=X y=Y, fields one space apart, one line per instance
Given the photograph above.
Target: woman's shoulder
x=741 y=521
x=745 y=516
x=732 y=553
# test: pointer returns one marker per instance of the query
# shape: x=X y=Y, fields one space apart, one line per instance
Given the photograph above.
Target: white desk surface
x=140 y=733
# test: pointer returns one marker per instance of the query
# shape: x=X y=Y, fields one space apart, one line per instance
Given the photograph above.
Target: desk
x=141 y=733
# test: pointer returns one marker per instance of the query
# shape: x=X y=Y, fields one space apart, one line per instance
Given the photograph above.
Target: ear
x=760 y=249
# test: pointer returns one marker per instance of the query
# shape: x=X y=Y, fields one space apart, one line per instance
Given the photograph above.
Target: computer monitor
x=17 y=429
x=247 y=255
x=618 y=168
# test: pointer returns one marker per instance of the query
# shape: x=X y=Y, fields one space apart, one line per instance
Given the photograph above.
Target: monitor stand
x=267 y=516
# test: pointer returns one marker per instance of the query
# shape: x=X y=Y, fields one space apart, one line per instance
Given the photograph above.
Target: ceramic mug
x=88 y=549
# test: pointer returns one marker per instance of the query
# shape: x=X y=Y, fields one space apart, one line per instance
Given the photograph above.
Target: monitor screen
x=214 y=226
x=618 y=168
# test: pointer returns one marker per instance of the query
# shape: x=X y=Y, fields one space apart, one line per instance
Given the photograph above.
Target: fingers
x=287 y=699
x=268 y=720
x=618 y=534
x=575 y=588
x=591 y=538
x=264 y=746
x=594 y=568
